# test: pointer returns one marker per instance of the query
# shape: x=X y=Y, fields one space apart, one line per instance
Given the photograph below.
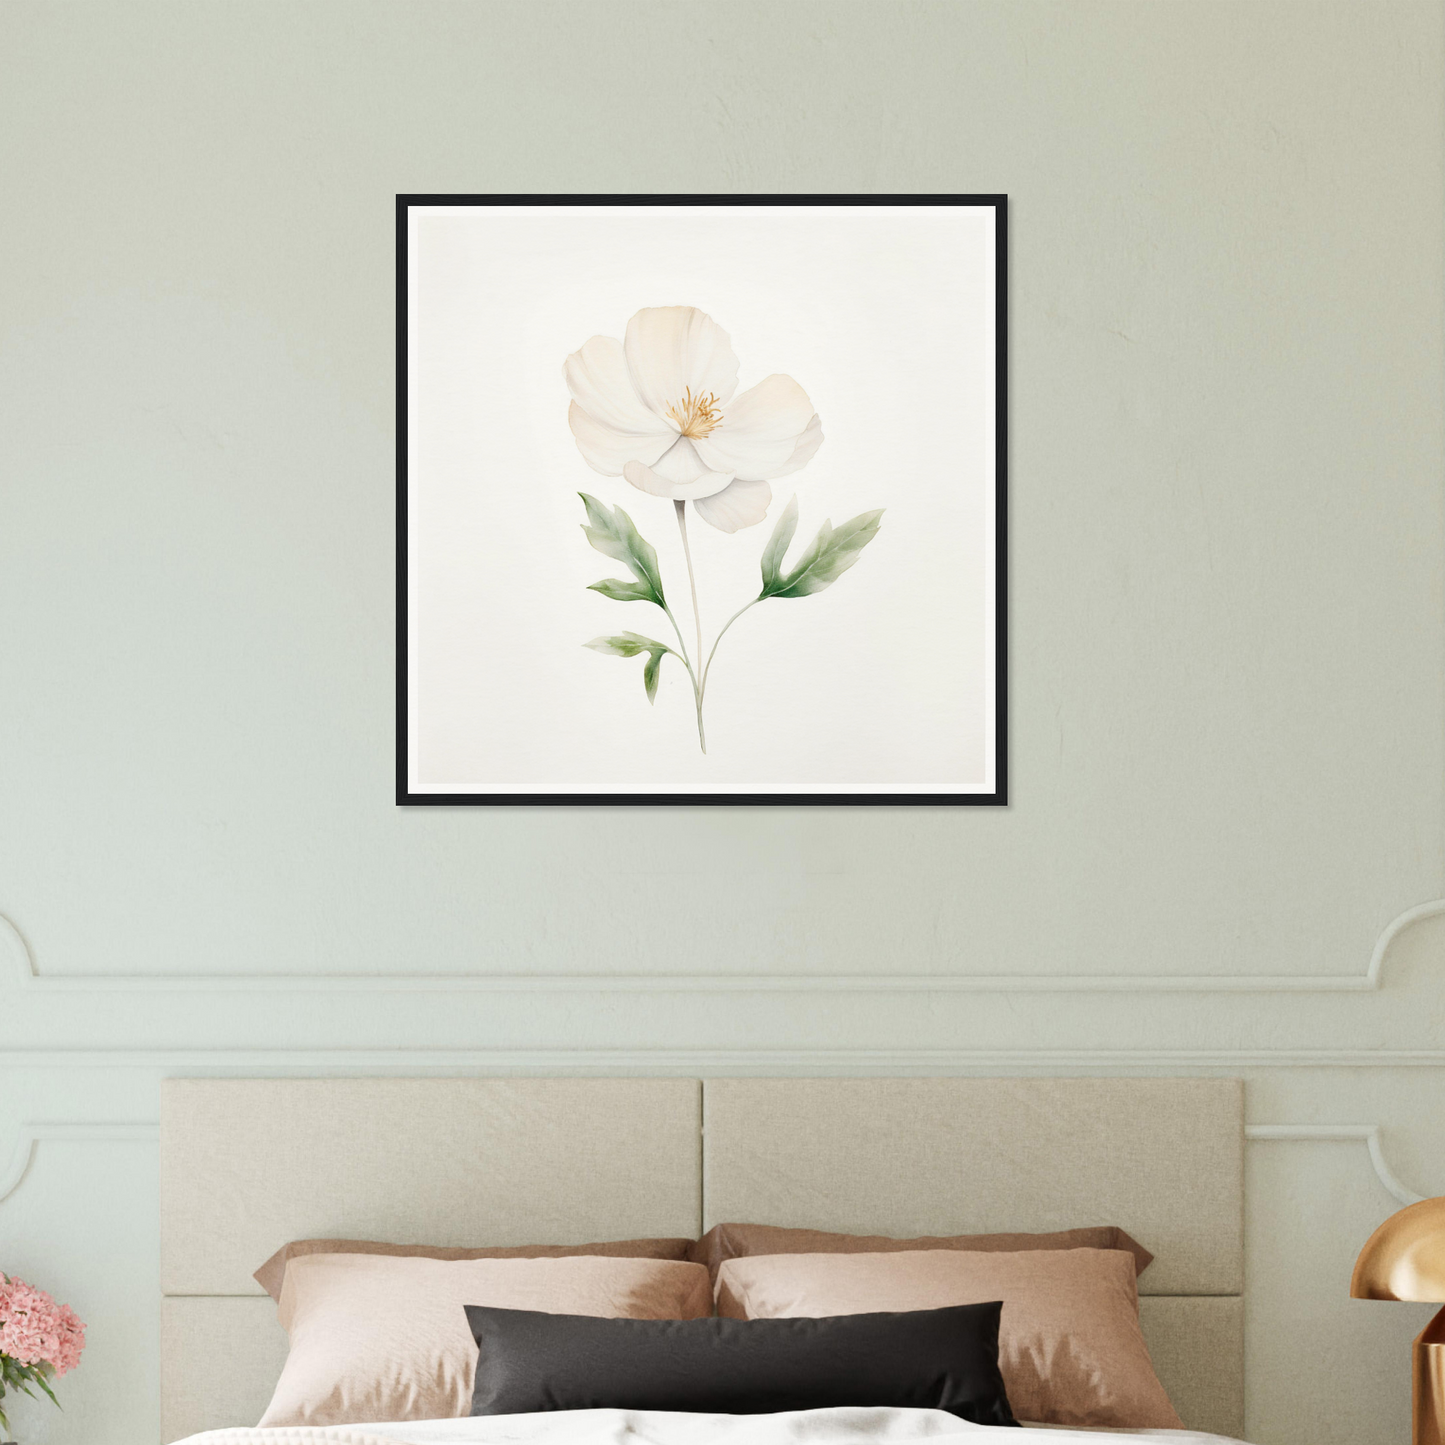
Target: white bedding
x=849 y=1425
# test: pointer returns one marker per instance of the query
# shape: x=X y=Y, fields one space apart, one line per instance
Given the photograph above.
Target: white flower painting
x=701 y=499
x=659 y=408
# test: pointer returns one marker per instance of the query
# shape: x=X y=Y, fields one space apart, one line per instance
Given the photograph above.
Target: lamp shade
x=1404 y=1258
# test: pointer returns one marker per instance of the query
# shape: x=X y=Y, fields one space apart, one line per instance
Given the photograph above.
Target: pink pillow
x=381 y=1337
x=273 y=1272
x=734 y=1241
x=1070 y=1348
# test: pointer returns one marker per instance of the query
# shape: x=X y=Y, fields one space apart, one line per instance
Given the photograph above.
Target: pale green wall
x=1228 y=728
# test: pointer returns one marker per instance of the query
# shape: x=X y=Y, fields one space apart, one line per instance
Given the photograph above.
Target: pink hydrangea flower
x=34 y=1330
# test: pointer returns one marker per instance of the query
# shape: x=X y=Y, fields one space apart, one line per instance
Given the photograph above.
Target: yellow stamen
x=696 y=416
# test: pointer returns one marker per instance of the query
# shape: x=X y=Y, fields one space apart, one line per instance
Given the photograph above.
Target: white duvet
x=846 y=1425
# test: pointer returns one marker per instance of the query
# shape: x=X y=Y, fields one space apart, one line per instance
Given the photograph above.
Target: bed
x=248 y=1164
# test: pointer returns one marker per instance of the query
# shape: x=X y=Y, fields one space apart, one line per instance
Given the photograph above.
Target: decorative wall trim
x=31 y=1136
x=1368 y=1133
x=16 y=961
x=703 y=1062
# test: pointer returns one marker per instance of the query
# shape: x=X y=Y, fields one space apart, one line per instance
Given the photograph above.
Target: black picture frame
x=405 y=797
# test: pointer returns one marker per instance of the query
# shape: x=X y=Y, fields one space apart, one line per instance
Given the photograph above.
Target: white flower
x=658 y=408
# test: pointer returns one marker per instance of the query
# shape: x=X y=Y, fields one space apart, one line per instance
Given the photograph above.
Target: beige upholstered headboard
x=1163 y=1158
x=248 y=1164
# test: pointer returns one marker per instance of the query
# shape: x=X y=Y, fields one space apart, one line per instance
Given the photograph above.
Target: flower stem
x=707 y=666
x=696 y=616
x=692 y=676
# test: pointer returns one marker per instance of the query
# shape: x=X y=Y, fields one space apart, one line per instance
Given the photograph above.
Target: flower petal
x=680 y=462
x=606 y=450
x=760 y=431
x=704 y=484
x=681 y=472
x=674 y=349
x=743 y=504
x=600 y=383
x=808 y=443
x=607 y=417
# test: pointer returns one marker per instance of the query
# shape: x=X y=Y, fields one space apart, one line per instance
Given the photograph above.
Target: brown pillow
x=1069 y=1347
x=271 y=1274
x=738 y=1241
x=377 y=1337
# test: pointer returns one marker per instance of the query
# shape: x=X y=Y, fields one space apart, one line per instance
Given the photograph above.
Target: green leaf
x=831 y=553
x=613 y=534
x=630 y=644
x=620 y=591
x=777 y=548
x=626 y=644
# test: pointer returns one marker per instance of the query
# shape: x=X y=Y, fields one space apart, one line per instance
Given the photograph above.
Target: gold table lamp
x=1404 y=1259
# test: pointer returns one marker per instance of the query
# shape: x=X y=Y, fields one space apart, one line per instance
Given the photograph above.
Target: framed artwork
x=701 y=499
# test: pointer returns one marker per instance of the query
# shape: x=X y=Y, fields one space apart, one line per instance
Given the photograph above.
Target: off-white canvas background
x=882 y=682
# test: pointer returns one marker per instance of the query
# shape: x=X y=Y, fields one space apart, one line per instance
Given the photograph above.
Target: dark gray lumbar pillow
x=944 y=1359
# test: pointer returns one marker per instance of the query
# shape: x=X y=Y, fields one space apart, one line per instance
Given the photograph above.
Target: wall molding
x=1369 y=1134
x=703 y=1061
x=17 y=962
x=32 y=1135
